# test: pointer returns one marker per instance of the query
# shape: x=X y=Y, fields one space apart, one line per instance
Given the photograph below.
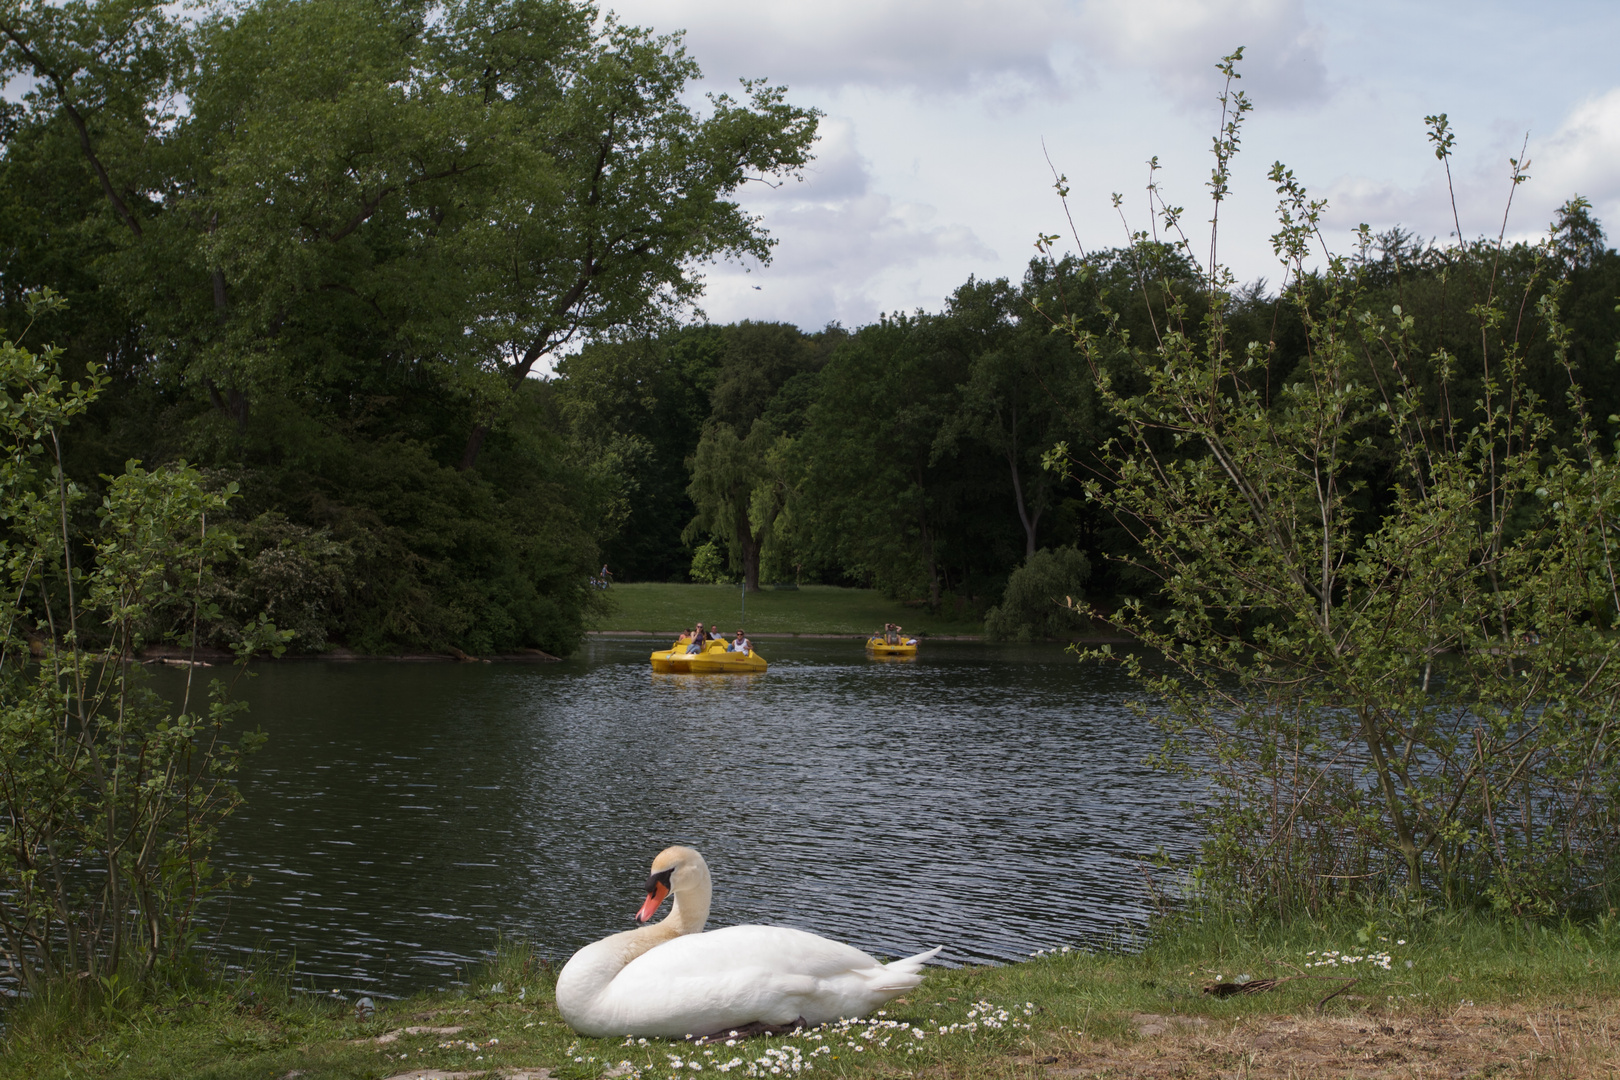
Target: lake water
x=404 y=817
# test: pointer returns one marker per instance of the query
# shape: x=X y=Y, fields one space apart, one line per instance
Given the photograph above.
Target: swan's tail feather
x=903 y=975
x=913 y=964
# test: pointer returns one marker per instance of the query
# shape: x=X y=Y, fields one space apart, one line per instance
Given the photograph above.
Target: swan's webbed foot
x=744 y=1031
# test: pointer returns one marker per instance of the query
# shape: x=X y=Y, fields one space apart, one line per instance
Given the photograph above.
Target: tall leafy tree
x=742 y=465
x=1014 y=398
x=873 y=498
x=332 y=238
x=641 y=405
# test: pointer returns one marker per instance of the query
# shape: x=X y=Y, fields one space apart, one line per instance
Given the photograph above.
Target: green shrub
x=293 y=575
x=110 y=795
x=1387 y=651
x=1041 y=597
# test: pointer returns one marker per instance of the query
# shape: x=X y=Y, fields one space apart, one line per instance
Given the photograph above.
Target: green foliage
x=709 y=565
x=110 y=798
x=639 y=407
x=1014 y=400
x=329 y=241
x=1043 y=597
x=287 y=573
x=1404 y=688
x=920 y=466
x=735 y=488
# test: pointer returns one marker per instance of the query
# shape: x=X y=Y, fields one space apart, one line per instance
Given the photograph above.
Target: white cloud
x=1581 y=157
x=1179 y=41
x=928 y=177
x=844 y=250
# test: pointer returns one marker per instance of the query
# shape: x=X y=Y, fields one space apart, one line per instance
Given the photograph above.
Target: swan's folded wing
x=768 y=973
x=735 y=948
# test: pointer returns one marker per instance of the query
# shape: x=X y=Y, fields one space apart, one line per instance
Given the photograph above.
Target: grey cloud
x=952 y=45
x=998 y=51
x=838 y=171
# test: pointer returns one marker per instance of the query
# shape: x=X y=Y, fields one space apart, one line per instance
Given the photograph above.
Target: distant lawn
x=811 y=609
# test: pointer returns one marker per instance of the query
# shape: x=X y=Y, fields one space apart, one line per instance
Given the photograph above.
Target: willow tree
x=739 y=489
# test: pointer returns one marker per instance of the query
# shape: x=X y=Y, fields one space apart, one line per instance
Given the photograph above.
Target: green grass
x=812 y=609
x=1492 y=980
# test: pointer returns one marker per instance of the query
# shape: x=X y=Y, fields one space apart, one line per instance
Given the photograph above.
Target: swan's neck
x=689 y=910
x=584 y=985
x=594 y=966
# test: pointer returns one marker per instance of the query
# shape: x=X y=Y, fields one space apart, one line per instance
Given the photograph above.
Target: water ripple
x=402 y=816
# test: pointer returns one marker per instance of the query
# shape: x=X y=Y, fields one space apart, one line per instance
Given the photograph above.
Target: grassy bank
x=813 y=609
x=1448 y=997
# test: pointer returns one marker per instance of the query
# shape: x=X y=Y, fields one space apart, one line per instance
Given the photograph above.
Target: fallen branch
x=1260 y=986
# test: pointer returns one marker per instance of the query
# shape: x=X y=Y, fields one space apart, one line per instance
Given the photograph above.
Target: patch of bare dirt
x=1572 y=1042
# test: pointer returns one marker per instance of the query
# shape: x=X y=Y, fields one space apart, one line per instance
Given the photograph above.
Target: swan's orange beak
x=656 y=891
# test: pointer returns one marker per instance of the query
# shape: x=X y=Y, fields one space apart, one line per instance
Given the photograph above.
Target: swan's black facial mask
x=657 y=889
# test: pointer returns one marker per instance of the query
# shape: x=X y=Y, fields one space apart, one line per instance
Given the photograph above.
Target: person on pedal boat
x=741 y=644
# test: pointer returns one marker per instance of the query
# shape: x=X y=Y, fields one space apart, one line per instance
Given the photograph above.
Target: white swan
x=671 y=979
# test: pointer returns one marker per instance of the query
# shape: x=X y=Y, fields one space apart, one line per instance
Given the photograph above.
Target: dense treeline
x=909 y=454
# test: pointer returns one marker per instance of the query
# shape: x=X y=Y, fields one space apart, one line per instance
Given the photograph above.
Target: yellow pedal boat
x=716 y=657
x=878 y=647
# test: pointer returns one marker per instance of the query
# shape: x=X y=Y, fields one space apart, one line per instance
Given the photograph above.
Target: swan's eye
x=660 y=878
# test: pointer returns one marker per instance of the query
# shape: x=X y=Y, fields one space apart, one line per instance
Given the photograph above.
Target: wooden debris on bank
x=1260 y=986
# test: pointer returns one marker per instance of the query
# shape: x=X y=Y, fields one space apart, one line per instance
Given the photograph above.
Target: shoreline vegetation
x=1453 y=995
x=656 y=610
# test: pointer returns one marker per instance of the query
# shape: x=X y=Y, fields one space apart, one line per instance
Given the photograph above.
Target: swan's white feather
x=700 y=984
x=673 y=980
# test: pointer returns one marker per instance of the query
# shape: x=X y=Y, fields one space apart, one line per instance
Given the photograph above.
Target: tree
x=1044 y=597
x=1015 y=398
x=1415 y=697
x=353 y=243
x=641 y=196
x=643 y=404
x=871 y=497
x=762 y=387
x=736 y=491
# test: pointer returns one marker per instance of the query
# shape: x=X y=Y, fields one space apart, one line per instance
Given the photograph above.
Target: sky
x=941 y=115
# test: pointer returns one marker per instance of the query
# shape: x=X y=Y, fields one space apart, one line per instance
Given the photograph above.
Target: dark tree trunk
x=233 y=403
x=750 y=558
x=475 y=443
x=1025 y=517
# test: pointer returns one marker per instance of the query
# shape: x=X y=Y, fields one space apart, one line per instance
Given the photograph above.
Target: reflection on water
x=991 y=799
